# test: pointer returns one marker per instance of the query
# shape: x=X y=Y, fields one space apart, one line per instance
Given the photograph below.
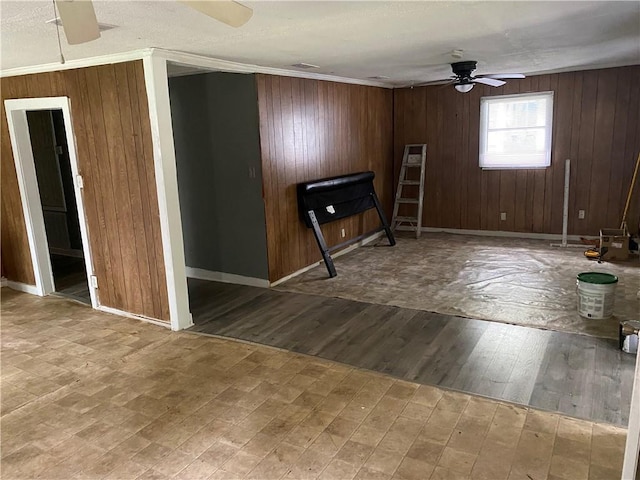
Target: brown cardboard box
x=616 y=241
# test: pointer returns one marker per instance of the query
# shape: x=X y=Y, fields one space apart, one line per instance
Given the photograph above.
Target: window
x=515 y=131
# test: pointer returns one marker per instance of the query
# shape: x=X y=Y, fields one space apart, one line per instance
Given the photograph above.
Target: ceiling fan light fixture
x=464 y=87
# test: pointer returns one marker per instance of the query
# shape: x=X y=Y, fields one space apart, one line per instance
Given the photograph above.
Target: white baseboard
x=32 y=289
x=23 y=287
x=295 y=274
x=202 y=274
x=142 y=318
x=493 y=233
x=350 y=248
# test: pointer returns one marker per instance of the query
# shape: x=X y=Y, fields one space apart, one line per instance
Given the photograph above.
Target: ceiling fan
x=80 y=25
x=463 y=80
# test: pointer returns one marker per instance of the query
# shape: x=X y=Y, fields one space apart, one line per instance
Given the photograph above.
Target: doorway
x=57 y=197
x=44 y=151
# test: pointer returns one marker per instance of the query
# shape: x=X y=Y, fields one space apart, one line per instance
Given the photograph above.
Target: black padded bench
x=329 y=199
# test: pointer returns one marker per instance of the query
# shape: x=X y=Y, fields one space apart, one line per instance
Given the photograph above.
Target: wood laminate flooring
x=577 y=375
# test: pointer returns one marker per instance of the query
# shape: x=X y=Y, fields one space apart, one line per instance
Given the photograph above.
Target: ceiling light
x=464 y=87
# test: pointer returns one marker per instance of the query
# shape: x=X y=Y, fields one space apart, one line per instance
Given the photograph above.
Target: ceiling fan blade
x=433 y=82
x=489 y=81
x=78 y=20
x=232 y=13
x=502 y=75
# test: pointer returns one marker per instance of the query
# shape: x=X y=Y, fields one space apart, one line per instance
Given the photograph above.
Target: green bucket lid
x=597 y=277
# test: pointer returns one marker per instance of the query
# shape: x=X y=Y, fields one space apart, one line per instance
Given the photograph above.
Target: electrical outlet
x=343 y=233
x=581 y=214
x=503 y=215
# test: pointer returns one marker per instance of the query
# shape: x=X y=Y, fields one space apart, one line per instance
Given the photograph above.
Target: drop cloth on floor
x=524 y=282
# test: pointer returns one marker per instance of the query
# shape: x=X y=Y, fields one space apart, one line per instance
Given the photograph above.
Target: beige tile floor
x=90 y=395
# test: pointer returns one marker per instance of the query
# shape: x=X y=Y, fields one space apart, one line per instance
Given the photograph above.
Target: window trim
x=483 y=130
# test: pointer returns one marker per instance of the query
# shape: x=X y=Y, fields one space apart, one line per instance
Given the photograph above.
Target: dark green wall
x=217 y=141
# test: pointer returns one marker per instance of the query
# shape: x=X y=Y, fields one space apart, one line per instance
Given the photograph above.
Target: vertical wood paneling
x=475 y=174
x=586 y=140
x=548 y=83
x=308 y=130
x=602 y=147
x=596 y=125
x=617 y=187
x=562 y=121
x=144 y=158
x=103 y=175
x=117 y=173
x=93 y=189
x=115 y=157
x=574 y=222
x=632 y=147
x=16 y=257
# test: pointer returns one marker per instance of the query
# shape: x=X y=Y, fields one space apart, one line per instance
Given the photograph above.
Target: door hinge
x=59 y=150
x=94 y=281
x=79 y=181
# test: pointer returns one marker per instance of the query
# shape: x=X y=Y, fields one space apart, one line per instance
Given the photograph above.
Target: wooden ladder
x=415 y=155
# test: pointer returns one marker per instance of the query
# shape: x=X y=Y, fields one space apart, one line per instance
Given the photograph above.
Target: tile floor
x=90 y=395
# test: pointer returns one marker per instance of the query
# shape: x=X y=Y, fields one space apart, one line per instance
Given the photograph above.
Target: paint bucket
x=629 y=336
x=596 y=293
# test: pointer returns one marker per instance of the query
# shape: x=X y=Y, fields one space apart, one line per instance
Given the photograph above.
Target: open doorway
x=52 y=131
x=215 y=122
x=57 y=197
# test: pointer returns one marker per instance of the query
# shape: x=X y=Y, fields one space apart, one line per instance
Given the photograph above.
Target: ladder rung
x=419 y=165
x=408 y=200
x=406 y=219
x=409 y=182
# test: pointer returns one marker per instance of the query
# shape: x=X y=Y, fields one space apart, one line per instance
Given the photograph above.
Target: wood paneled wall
x=595 y=124
x=313 y=129
x=115 y=156
x=16 y=256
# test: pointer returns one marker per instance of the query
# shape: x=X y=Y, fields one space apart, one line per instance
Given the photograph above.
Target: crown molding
x=217 y=65
x=78 y=63
x=183 y=58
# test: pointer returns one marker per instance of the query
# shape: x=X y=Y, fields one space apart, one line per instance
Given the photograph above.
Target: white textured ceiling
x=406 y=41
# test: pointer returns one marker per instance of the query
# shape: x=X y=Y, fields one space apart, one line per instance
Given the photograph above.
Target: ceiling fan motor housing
x=464 y=69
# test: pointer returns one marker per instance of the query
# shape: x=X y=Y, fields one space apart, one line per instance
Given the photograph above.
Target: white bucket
x=596 y=293
x=629 y=331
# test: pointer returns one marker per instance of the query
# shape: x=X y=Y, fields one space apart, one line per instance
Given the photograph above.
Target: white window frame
x=486 y=163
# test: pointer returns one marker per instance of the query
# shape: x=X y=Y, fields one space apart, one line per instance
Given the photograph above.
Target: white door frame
x=16 y=110
x=164 y=157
